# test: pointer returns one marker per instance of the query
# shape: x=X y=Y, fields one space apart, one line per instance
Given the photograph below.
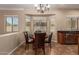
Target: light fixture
x=42 y=7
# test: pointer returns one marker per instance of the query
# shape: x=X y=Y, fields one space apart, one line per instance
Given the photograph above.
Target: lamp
x=42 y=7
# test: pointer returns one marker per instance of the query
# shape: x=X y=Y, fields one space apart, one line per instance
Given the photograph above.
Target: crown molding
x=40 y=14
x=11 y=8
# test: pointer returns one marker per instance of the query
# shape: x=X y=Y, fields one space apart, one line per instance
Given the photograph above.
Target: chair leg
x=43 y=50
x=26 y=46
x=35 y=51
x=50 y=45
x=35 y=47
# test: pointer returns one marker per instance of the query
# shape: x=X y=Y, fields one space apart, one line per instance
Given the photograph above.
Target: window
x=28 y=23
x=11 y=23
x=72 y=22
x=40 y=23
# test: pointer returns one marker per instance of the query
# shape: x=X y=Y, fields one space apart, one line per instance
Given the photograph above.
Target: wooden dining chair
x=39 y=42
x=27 y=39
x=49 y=39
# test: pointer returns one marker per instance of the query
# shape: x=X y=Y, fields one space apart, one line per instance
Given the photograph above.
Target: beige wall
x=1 y=24
x=9 y=42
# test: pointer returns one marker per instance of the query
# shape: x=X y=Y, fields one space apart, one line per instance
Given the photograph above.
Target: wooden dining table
x=33 y=36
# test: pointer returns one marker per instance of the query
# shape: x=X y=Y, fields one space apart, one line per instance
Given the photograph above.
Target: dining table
x=32 y=36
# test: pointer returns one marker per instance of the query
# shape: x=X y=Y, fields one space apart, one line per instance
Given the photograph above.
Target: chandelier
x=42 y=7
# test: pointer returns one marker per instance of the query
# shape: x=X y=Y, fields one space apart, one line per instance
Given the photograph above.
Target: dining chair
x=27 y=39
x=49 y=39
x=39 y=42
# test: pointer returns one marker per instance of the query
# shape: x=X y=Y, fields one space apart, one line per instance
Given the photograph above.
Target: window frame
x=26 y=17
x=5 y=23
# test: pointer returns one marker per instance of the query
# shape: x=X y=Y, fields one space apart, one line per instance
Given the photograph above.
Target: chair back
x=26 y=36
x=50 y=37
x=39 y=39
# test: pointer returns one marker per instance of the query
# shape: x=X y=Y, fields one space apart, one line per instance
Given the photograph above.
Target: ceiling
x=31 y=6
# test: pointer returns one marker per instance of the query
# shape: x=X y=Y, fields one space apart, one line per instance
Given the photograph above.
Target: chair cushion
x=46 y=41
x=30 y=40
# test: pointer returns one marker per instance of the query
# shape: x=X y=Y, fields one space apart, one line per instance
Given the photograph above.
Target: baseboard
x=16 y=48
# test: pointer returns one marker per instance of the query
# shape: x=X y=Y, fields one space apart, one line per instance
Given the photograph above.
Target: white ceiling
x=31 y=6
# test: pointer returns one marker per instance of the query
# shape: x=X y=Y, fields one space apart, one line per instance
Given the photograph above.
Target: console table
x=68 y=37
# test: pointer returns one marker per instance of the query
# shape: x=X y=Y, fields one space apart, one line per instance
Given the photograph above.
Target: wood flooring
x=57 y=49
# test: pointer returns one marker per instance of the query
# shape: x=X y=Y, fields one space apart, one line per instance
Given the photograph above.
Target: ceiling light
x=42 y=7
